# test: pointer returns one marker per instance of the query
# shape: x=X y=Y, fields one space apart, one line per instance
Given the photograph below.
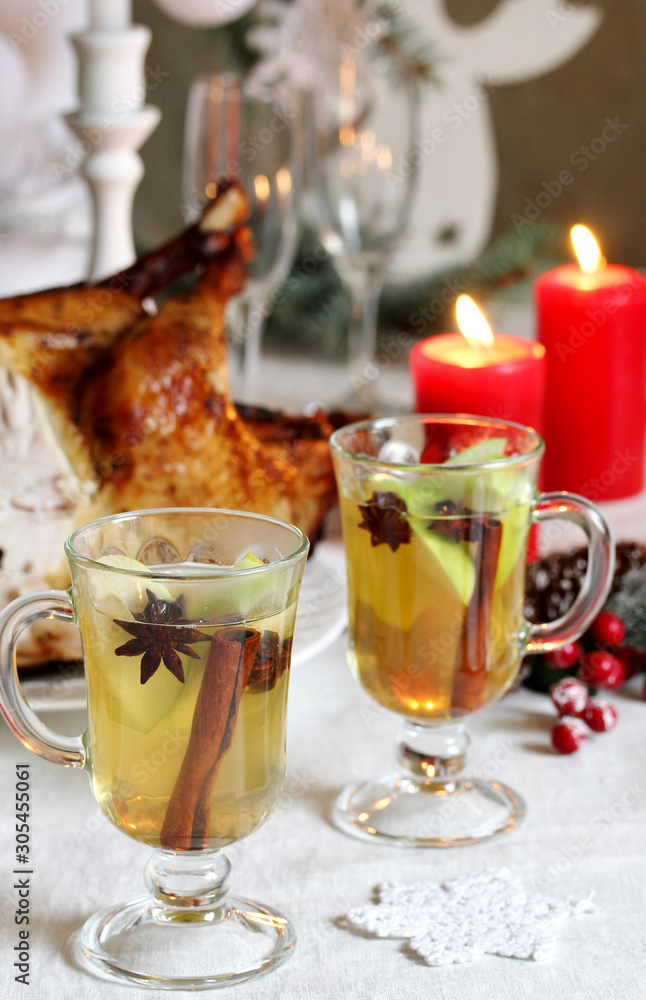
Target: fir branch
x=512 y=257
x=314 y=309
x=412 y=58
x=629 y=602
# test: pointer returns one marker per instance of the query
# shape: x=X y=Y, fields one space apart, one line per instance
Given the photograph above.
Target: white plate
x=321 y=618
x=322 y=613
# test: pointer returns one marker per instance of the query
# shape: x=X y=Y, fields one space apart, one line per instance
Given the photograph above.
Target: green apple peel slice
x=265 y=597
x=507 y=490
x=248 y=561
x=246 y=590
x=139 y=706
x=120 y=594
x=453 y=557
x=481 y=490
x=515 y=526
x=505 y=493
x=482 y=451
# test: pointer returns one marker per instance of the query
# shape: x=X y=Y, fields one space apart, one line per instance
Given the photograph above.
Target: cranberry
x=634 y=660
x=565 y=657
x=616 y=677
x=599 y=715
x=570 y=696
x=568 y=734
x=598 y=666
x=608 y=629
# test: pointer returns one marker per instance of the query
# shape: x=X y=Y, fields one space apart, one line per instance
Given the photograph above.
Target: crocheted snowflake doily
x=461 y=919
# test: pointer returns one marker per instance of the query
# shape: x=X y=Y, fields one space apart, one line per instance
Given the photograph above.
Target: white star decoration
x=461 y=919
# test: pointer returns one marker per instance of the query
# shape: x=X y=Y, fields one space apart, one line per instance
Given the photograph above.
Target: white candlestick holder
x=112 y=123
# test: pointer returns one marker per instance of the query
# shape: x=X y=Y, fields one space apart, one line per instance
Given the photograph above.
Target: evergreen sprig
x=511 y=257
x=629 y=602
x=412 y=58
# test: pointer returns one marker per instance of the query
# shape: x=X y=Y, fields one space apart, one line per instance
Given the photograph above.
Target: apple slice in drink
x=453 y=558
x=237 y=592
x=482 y=451
x=119 y=597
x=128 y=701
x=505 y=493
x=122 y=594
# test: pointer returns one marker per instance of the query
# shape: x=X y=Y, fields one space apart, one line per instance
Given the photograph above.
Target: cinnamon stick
x=471 y=663
x=226 y=672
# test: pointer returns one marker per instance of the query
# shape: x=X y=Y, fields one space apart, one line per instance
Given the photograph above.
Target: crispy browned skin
x=53 y=338
x=159 y=421
x=303 y=443
x=140 y=403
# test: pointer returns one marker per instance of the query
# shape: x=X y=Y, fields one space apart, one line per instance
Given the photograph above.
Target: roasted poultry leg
x=137 y=406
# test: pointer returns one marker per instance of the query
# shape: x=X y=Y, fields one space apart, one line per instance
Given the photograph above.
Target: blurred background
x=530 y=117
x=538 y=123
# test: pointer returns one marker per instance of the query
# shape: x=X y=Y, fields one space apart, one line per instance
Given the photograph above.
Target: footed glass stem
x=188 y=934
x=429 y=803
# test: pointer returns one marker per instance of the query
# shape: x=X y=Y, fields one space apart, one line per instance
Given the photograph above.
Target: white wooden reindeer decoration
x=457 y=183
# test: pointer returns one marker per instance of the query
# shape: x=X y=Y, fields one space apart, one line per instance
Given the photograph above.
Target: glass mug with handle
x=186 y=619
x=436 y=512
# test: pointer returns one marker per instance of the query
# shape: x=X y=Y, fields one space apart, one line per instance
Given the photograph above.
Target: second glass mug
x=436 y=512
x=186 y=619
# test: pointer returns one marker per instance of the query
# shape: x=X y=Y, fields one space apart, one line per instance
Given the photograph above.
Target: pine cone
x=553 y=582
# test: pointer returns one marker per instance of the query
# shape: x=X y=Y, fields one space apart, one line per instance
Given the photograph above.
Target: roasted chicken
x=125 y=409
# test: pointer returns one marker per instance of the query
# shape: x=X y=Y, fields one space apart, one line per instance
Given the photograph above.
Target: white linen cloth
x=585 y=829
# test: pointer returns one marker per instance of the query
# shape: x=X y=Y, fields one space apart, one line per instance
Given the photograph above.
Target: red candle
x=502 y=378
x=592 y=321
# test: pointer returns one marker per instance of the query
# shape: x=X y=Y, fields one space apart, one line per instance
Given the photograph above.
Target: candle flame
x=283 y=181
x=587 y=249
x=472 y=323
x=347 y=87
x=261 y=187
x=384 y=157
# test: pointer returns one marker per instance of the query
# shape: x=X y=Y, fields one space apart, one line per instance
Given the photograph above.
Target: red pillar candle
x=592 y=321
x=503 y=379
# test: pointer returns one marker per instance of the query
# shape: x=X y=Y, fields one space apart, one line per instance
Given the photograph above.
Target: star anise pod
x=271 y=662
x=160 y=632
x=460 y=526
x=382 y=517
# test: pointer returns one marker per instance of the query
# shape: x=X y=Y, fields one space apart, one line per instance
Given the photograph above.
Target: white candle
x=110 y=15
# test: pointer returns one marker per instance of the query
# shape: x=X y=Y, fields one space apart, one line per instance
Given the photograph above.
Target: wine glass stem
x=252 y=351
x=246 y=318
x=433 y=751
x=196 y=881
x=364 y=282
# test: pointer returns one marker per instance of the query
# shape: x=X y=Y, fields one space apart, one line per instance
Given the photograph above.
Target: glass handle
x=546 y=636
x=36 y=736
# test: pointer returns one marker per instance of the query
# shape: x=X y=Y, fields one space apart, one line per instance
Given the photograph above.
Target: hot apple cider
x=191 y=712
x=436 y=575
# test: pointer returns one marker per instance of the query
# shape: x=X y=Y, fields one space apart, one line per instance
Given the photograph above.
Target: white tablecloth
x=580 y=834
x=299 y=863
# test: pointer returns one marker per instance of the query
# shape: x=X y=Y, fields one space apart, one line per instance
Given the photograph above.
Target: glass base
x=147 y=945
x=406 y=811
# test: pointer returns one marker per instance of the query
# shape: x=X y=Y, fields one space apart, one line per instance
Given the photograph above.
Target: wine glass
x=436 y=511
x=364 y=177
x=186 y=620
x=253 y=135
